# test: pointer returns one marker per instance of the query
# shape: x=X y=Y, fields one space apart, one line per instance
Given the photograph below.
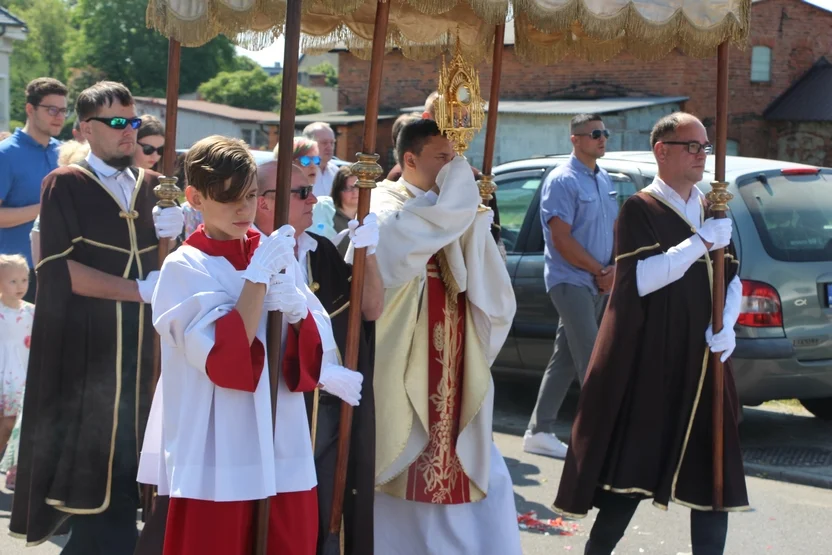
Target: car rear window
x=793 y=214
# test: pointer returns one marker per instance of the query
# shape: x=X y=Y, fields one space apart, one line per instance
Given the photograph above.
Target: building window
x=760 y=64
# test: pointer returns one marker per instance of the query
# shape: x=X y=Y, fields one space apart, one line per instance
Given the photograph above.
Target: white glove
x=365 y=235
x=716 y=232
x=275 y=253
x=169 y=222
x=724 y=342
x=490 y=215
x=285 y=297
x=147 y=286
x=341 y=382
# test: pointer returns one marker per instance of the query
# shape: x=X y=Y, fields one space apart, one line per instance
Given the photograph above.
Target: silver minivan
x=783 y=232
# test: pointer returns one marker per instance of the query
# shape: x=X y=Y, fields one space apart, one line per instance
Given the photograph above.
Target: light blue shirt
x=24 y=163
x=588 y=201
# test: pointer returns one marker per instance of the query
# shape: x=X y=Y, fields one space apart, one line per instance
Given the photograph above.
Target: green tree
x=328 y=70
x=308 y=100
x=113 y=38
x=42 y=53
x=252 y=89
x=255 y=90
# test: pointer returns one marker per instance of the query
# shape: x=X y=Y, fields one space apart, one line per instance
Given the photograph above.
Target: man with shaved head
x=644 y=423
x=328 y=276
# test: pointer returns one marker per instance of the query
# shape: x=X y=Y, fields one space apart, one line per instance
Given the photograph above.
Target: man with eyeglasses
x=329 y=277
x=578 y=208
x=644 y=423
x=91 y=362
x=25 y=159
x=322 y=133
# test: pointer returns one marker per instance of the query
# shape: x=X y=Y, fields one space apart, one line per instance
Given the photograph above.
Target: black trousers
x=708 y=529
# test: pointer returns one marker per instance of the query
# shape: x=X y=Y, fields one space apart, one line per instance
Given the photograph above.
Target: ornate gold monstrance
x=460 y=110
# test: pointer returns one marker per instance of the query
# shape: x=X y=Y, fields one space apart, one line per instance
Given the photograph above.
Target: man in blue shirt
x=25 y=159
x=578 y=206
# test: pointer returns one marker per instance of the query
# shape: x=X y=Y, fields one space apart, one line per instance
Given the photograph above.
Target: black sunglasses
x=307 y=160
x=692 y=146
x=119 y=123
x=596 y=134
x=150 y=149
x=302 y=192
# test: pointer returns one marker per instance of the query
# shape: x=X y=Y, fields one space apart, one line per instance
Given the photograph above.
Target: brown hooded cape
x=644 y=416
x=87 y=386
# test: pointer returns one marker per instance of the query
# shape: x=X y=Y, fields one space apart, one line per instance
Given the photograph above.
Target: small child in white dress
x=16 y=317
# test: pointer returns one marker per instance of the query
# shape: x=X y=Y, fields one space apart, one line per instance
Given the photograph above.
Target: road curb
x=756 y=470
x=792 y=476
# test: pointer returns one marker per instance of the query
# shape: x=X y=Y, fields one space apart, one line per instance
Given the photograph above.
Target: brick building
x=788 y=37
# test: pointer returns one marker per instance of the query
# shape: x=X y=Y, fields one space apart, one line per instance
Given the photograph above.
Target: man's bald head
x=267 y=177
x=667 y=127
x=430 y=106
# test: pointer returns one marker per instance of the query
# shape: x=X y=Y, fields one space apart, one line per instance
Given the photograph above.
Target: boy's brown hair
x=211 y=162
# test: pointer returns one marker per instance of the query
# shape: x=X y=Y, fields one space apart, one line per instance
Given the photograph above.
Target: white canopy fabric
x=546 y=31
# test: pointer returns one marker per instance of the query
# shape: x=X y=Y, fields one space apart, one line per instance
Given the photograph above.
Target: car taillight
x=800 y=171
x=760 y=306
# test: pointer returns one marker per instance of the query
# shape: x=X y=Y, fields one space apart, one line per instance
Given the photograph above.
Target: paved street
x=788 y=519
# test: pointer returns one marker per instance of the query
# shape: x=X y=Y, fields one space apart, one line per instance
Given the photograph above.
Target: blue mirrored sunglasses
x=308 y=160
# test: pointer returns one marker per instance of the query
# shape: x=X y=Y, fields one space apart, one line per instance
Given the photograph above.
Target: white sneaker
x=542 y=443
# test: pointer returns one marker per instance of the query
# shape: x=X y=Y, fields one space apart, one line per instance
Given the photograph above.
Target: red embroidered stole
x=437 y=475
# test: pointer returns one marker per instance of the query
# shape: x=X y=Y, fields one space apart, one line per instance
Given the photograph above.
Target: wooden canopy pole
x=493 y=102
x=368 y=170
x=167 y=192
x=719 y=197
x=486 y=183
x=274 y=332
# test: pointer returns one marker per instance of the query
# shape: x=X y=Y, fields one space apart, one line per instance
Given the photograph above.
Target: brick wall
x=351 y=137
x=798 y=34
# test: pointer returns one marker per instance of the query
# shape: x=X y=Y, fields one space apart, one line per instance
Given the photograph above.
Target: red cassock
x=198 y=527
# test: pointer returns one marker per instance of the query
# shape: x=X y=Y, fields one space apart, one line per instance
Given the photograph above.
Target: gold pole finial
x=167 y=192
x=718 y=196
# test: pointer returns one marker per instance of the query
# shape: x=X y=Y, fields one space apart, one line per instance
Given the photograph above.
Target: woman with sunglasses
x=150 y=143
x=305 y=154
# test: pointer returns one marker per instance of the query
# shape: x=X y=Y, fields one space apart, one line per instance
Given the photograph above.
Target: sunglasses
x=308 y=160
x=150 y=149
x=596 y=134
x=302 y=192
x=55 y=110
x=692 y=146
x=119 y=123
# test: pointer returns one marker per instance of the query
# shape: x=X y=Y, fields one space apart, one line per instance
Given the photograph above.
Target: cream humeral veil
x=412 y=230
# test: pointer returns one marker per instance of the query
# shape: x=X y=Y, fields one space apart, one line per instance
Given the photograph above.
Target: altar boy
x=210 y=443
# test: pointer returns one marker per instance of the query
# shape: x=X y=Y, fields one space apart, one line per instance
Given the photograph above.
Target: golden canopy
x=545 y=31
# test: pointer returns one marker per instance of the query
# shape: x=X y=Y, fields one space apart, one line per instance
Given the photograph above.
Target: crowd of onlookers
x=30 y=153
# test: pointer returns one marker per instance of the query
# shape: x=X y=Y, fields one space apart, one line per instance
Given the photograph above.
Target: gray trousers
x=579 y=312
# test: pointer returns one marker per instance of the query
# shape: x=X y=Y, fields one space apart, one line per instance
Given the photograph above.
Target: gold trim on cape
x=134 y=252
x=637 y=251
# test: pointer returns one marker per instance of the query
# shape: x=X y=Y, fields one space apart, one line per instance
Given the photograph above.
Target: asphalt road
x=788 y=519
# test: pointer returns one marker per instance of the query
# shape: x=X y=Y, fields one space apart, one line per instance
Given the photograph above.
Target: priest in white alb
x=442 y=485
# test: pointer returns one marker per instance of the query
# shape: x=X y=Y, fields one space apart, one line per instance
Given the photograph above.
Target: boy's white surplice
x=208 y=442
